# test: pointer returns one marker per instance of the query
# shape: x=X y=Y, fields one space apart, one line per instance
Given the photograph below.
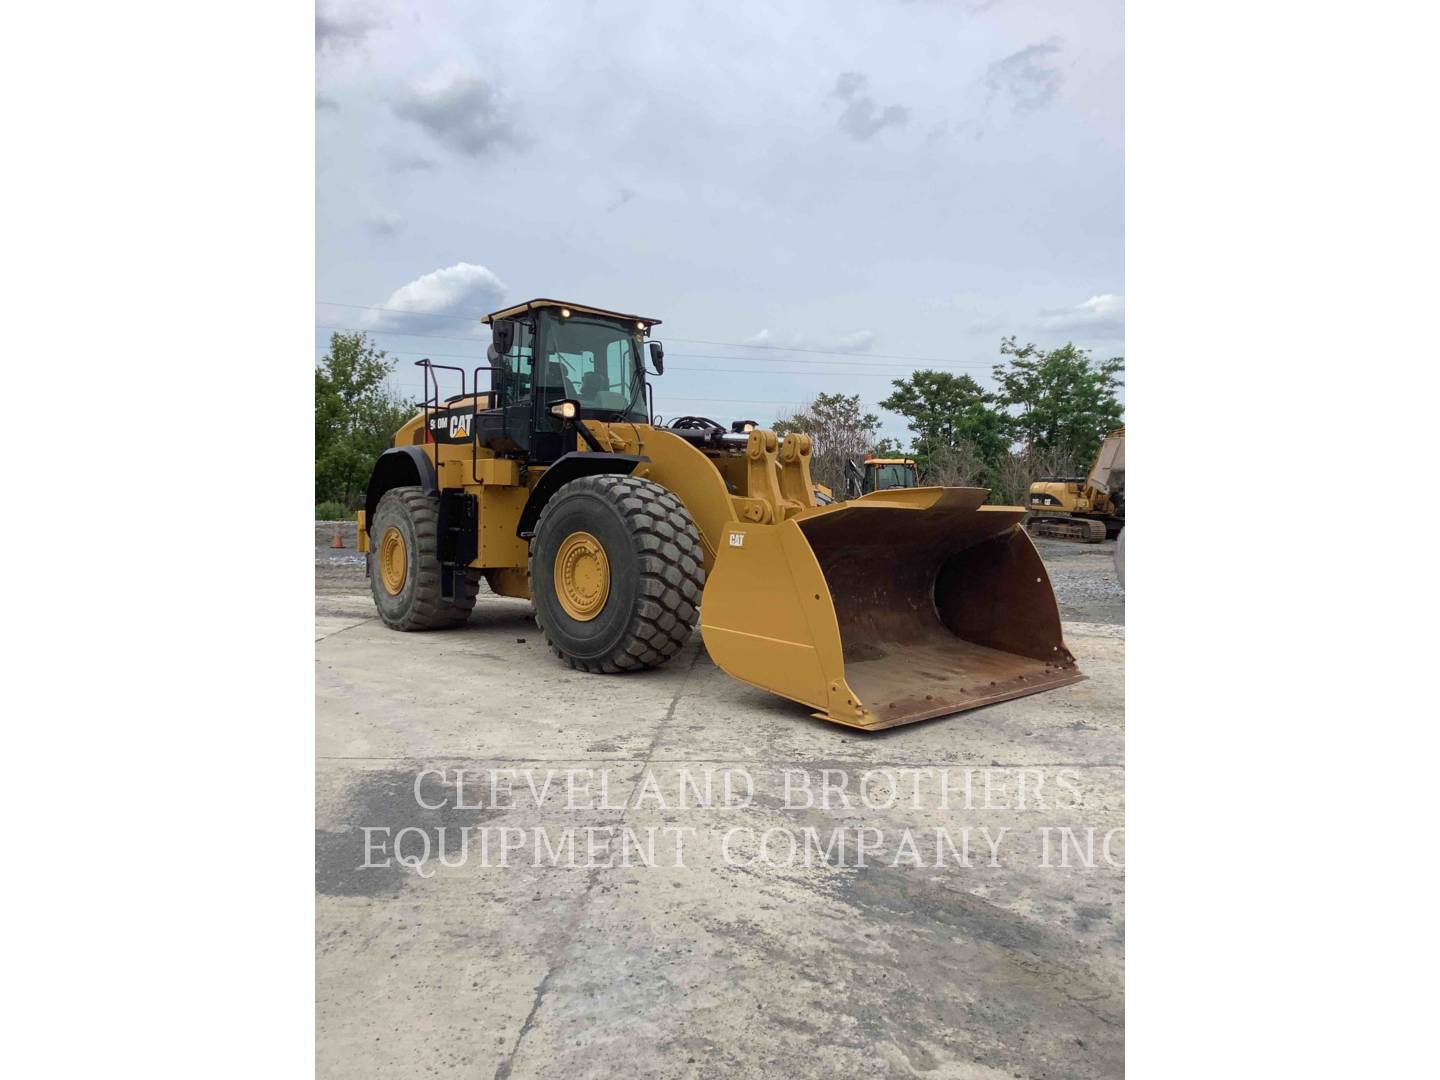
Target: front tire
x=616 y=572
x=405 y=565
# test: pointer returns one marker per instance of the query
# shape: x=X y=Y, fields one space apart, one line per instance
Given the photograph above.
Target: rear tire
x=630 y=569
x=404 y=565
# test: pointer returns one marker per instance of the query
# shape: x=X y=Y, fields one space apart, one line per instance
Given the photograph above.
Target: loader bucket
x=896 y=607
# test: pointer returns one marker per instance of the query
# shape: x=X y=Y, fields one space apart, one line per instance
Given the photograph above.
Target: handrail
x=425 y=406
x=475 y=419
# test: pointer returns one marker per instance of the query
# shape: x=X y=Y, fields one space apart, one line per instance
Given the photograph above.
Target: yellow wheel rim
x=394 y=561
x=582 y=576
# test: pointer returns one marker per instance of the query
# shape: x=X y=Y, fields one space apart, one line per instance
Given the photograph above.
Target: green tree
x=1016 y=471
x=949 y=412
x=838 y=430
x=958 y=466
x=1059 y=400
x=356 y=416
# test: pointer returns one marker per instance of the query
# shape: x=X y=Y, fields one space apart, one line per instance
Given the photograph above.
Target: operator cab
x=555 y=363
x=884 y=473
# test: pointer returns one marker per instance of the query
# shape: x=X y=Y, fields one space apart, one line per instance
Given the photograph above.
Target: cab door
x=507 y=428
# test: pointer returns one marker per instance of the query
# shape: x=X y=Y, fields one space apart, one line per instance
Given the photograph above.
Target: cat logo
x=460 y=425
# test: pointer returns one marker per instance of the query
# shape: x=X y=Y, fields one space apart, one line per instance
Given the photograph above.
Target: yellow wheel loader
x=1084 y=508
x=881 y=474
x=557 y=483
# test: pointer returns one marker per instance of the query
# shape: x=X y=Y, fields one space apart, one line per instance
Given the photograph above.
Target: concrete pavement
x=742 y=947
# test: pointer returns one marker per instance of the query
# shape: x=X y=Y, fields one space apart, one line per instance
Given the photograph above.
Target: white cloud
x=1100 y=316
x=1028 y=80
x=339 y=27
x=753 y=207
x=403 y=163
x=862 y=117
x=463 y=111
x=857 y=341
x=466 y=290
x=385 y=225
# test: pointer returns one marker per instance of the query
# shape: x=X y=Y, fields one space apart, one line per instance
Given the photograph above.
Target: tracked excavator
x=1084 y=508
x=556 y=483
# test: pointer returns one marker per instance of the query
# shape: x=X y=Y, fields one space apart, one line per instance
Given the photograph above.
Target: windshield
x=893 y=476
x=595 y=363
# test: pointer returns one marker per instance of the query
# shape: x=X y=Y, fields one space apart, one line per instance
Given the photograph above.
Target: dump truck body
x=901 y=605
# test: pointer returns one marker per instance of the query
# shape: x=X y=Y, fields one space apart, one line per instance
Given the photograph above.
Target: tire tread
x=430 y=610
x=672 y=577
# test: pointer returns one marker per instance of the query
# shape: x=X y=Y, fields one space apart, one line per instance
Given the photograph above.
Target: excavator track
x=1077 y=529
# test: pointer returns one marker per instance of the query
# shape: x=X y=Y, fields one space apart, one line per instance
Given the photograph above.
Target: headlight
x=566 y=410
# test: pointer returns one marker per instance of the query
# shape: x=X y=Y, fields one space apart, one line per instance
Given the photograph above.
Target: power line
x=690 y=341
x=401 y=311
x=960 y=364
x=703 y=399
x=420 y=390
x=397 y=333
x=674 y=367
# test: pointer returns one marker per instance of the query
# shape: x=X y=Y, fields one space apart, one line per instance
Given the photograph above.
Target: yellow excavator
x=556 y=483
x=1084 y=508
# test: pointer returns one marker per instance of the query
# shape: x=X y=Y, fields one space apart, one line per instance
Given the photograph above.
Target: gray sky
x=881 y=180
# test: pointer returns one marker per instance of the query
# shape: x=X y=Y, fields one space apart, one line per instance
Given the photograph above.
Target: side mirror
x=657 y=357
x=503 y=336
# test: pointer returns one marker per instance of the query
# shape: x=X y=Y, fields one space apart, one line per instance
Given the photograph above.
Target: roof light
x=639 y=326
x=564 y=312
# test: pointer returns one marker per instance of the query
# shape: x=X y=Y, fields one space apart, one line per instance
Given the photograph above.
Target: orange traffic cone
x=337 y=541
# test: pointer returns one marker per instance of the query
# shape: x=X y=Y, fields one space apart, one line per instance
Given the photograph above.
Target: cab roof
x=532 y=305
x=889 y=461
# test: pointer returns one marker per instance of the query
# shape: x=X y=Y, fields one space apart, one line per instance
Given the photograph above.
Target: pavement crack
x=665 y=722
x=342 y=630
x=502 y=1072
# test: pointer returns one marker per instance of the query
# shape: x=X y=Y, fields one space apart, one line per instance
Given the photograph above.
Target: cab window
x=514 y=381
x=595 y=363
x=893 y=476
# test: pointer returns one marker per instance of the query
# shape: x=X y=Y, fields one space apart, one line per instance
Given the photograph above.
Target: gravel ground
x=1083 y=574
x=1084 y=580
x=337 y=570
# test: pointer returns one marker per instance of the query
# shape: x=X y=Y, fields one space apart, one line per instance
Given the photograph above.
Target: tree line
x=356 y=417
x=1047 y=417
